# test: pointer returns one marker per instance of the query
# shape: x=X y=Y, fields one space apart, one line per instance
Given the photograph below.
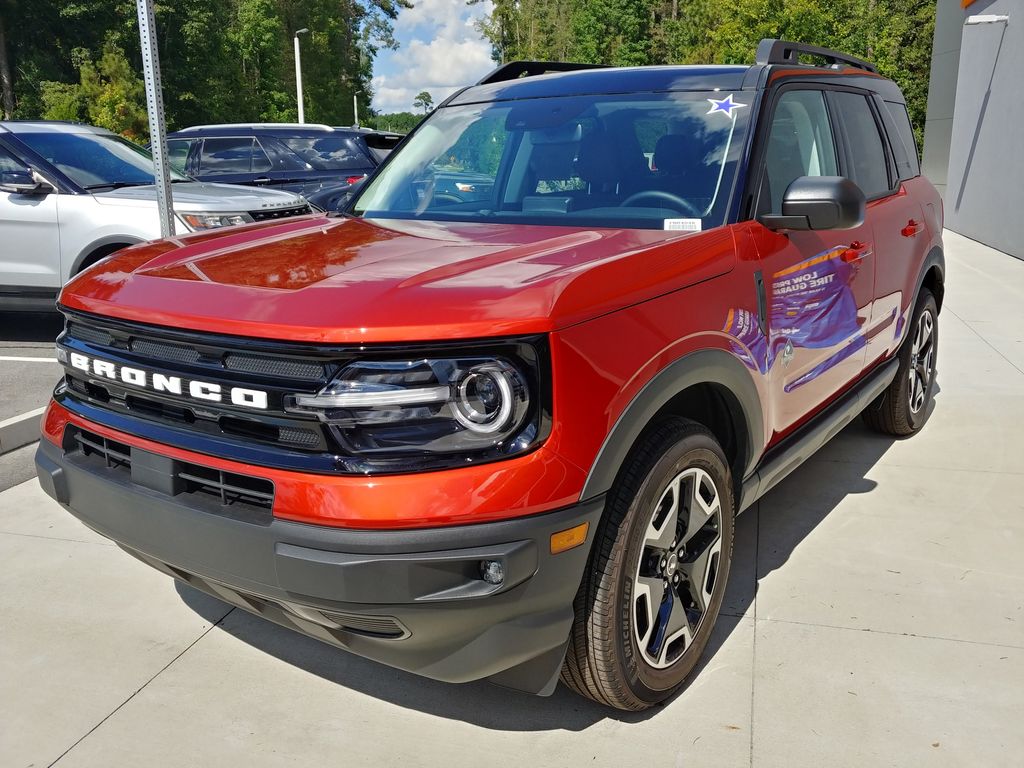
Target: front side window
x=643 y=161
x=867 y=153
x=226 y=156
x=800 y=143
x=260 y=160
x=95 y=160
x=9 y=163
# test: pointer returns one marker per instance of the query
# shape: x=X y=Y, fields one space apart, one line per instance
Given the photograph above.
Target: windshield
x=94 y=160
x=652 y=161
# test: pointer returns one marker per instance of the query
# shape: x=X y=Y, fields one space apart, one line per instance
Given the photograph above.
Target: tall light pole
x=355 y=107
x=298 y=74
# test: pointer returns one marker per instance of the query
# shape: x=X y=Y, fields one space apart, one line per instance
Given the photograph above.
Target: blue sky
x=440 y=50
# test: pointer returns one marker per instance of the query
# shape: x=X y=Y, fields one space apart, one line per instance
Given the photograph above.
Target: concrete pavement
x=875 y=616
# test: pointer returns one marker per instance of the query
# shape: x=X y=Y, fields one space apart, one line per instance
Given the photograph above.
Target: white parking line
x=29 y=359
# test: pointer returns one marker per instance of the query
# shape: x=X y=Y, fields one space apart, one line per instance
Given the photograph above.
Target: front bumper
x=412 y=599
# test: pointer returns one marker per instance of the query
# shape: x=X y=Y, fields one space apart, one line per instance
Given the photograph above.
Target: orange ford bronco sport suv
x=496 y=419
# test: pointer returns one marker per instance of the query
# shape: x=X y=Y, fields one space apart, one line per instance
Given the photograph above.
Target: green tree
x=399 y=122
x=423 y=101
x=114 y=95
x=62 y=101
x=221 y=60
x=895 y=34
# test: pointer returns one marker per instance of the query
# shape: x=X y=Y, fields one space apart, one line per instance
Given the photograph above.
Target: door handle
x=912 y=228
x=261 y=180
x=855 y=251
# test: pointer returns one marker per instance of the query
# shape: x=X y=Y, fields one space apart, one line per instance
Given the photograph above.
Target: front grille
x=160 y=350
x=375 y=626
x=90 y=334
x=280 y=213
x=241 y=497
x=269 y=366
x=229 y=487
x=223 y=362
x=115 y=455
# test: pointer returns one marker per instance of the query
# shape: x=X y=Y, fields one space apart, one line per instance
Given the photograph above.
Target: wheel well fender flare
x=707 y=366
x=936 y=260
x=103 y=242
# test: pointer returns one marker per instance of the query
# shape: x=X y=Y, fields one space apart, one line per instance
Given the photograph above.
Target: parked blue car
x=318 y=162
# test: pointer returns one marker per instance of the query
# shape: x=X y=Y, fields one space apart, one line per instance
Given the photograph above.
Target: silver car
x=72 y=194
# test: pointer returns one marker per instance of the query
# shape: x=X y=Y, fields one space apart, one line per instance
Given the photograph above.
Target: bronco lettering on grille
x=175 y=385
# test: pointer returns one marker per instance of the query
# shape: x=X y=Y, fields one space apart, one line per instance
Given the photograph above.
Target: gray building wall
x=974 y=133
x=938 y=126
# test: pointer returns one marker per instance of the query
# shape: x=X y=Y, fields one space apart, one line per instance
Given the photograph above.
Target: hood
x=197 y=197
x=346 y=280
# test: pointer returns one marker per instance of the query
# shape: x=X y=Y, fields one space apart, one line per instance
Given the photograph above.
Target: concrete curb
x=21 y=430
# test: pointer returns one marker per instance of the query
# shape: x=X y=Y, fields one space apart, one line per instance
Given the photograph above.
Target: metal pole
x=298 y=76
x=355 y=107
x=155 y=108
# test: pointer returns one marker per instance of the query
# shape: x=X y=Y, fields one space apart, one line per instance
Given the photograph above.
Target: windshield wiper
x=116 y=185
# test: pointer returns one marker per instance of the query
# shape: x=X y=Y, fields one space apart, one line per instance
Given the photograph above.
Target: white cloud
x=441 y=51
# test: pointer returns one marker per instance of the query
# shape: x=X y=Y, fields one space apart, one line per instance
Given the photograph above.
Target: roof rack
x=516 y=69
x=785 y=52
x=249 y=126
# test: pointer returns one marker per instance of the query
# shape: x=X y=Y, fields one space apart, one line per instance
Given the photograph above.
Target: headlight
x=213 y=220
x=436 y=411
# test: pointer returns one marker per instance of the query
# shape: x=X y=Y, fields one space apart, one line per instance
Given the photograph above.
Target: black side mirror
x=23 y=183
x=819 y=202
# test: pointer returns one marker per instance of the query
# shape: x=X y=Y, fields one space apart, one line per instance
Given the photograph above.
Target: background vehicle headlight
x=213 y=220
x=436 y=411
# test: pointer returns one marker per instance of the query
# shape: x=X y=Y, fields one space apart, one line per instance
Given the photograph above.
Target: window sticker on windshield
x=725 y=106
x=683 y=225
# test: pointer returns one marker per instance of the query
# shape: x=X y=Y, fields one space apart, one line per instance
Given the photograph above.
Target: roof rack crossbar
x=516 y=69
x=786 y=52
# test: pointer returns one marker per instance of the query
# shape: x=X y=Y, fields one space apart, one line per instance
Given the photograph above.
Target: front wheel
x=657 y=574
x=903 y=408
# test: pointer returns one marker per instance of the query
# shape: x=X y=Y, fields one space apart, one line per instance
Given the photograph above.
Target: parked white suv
x=71 y=194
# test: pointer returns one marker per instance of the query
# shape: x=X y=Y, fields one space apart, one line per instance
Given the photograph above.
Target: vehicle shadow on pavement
x=35 y=327
x=821 y=485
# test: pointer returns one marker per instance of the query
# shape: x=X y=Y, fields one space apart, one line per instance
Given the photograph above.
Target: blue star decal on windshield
x=725 y=106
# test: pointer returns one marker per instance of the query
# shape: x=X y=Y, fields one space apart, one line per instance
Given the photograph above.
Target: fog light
x=492 y=571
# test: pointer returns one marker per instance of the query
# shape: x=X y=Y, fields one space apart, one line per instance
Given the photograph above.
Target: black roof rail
x=785 y=52
x=516 y=69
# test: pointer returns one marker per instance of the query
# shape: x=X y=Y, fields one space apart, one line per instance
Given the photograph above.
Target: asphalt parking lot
x=28 y=372
x=875 y=616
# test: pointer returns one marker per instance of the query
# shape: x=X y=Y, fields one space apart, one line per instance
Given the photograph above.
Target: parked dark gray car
x=316 y=161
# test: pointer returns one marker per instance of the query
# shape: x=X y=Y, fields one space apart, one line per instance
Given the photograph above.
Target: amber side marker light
x=569 y=538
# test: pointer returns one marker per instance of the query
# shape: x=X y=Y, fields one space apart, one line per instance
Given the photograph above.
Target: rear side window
x=901 y=138
x=870 y=166
x=226 y=156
